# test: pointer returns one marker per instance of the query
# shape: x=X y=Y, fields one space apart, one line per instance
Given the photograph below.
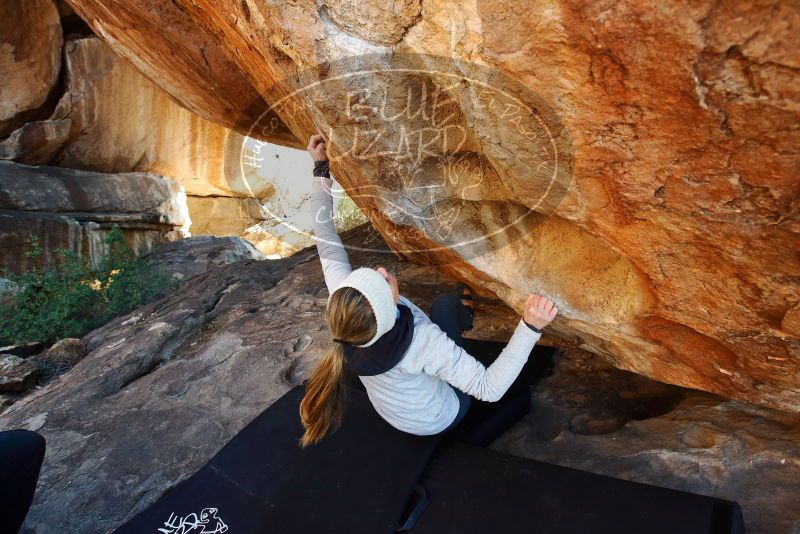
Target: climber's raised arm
x=454 y=365
x=332 y=255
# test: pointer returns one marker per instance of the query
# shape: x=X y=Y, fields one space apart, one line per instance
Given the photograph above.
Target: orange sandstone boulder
x=637 y=163
x=122 y=122
x=30 y=59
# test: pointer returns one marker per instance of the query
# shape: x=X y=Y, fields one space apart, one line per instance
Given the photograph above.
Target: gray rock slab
x=189 y=257
x=16 y=374
x=67 y=352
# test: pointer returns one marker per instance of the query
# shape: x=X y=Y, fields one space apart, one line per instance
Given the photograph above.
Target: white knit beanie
x=378 y=293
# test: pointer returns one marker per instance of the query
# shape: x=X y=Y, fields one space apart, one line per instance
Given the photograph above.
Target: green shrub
x=68 y=296
x=348 y=215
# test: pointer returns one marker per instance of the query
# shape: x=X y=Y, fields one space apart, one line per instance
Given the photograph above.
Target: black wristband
x=321 y=168
x=531 y=327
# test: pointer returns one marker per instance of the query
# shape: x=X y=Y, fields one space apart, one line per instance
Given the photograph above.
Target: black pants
x=452 y=317
x=450 y=314
x=21 y=455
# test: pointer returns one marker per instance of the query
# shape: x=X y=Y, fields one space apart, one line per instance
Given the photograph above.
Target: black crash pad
x=486 y=421
x=357 y=479
x=539 y=363
x=206 y=502
x=474 y=490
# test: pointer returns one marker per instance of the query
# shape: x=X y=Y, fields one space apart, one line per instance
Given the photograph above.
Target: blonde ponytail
x=323 y=404
x=350 y=319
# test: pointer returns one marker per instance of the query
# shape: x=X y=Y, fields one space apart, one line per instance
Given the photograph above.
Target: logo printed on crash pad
x=206 y=522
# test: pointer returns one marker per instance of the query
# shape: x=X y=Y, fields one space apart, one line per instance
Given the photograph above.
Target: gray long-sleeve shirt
x=414 y=396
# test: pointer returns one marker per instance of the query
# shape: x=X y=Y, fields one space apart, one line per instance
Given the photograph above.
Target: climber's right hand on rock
x=316 y=147
x=539 y=311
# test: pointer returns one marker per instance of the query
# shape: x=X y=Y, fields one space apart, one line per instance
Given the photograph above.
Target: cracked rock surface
x=74 y=210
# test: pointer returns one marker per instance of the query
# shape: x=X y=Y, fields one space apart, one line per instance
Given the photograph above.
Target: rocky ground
x=26 y=368
x=591 y=416
x=161 y=389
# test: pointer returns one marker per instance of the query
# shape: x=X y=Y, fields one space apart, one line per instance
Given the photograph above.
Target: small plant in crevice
x=68 y=296
x=348 y=215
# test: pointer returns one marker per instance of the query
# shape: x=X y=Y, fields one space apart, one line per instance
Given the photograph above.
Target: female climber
x=413 y=368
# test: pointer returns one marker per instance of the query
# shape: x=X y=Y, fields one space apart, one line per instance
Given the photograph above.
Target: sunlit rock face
x=30 y=58
x=647 y=181
x=111 y=119
x=121 y=121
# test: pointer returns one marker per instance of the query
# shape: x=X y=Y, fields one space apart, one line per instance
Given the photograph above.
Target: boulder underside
x=637 y=164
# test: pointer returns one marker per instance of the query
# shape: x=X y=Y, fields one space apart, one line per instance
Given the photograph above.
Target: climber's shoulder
x=414 y=308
